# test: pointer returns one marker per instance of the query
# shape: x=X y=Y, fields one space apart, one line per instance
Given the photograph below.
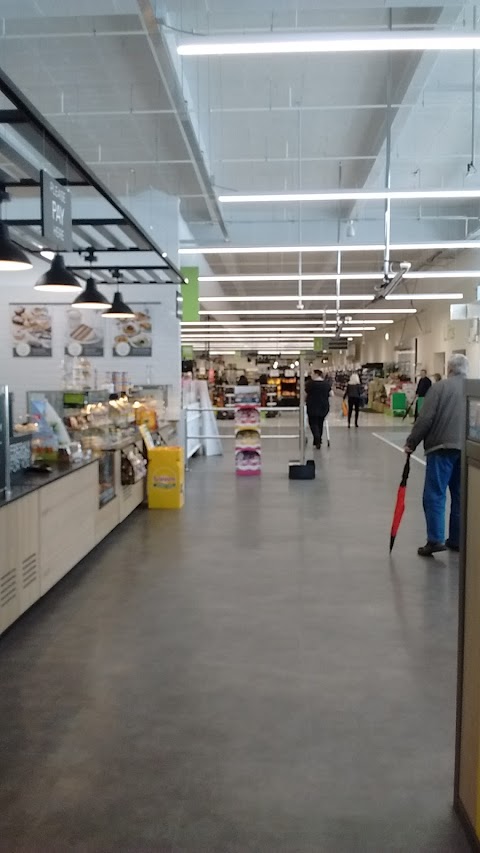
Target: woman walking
x=353 y=394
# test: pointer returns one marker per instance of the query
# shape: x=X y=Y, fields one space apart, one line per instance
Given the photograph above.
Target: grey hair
x=458 y=364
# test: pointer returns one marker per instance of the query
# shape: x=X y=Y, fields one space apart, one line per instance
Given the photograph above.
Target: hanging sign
x=318 y=344
x=56 y=213
x=190 y=294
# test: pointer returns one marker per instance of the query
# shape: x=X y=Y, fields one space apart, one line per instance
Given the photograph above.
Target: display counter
x=49 y=523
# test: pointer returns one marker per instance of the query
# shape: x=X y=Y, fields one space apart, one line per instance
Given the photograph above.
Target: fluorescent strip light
x=424 y=296
x=317 y=330
x=222 y=352
x=227 y=324
x=331 y=297
x=443 y=274
x=394 y=40
x=340 y=247
x=349 y=195
x=278 y=352
x=346 y=276
x=318 y=312
x=261 y=336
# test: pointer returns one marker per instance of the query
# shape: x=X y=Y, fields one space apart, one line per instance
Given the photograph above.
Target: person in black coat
x=318 y=405
x=424 y=385
x=353 y=394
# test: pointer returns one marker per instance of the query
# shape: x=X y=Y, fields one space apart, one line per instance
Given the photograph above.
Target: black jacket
x=353 y=392
x=318 y=393
x=424 y=385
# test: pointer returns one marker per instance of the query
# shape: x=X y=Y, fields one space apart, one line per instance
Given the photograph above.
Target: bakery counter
x=25 y=482
x=50 y=523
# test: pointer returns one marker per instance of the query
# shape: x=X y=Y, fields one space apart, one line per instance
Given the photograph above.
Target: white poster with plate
x=31 y=331
x=85 y=333
x=133 y=337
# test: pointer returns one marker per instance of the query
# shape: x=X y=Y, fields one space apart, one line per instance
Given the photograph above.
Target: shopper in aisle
x=437 y=377
x=439 y=426
x=424 y=385
x=243 y=380
x=353 y=393
x=318 y=405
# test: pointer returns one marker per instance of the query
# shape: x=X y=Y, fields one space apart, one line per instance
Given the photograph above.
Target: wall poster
x=31 y=330
x=85 y=333
x=133 y=337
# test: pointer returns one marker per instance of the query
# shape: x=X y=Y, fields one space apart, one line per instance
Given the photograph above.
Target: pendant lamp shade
x=119 y=309
x=91 y=298
x=58 y=279
x=11 y=256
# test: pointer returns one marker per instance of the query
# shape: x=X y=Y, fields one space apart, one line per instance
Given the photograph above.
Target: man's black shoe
x=431 y=548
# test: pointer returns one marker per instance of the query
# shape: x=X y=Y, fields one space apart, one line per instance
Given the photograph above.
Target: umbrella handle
x=406 y=470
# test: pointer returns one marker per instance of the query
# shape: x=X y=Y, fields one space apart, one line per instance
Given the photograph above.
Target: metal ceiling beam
x=161 y=55
x=50 y=137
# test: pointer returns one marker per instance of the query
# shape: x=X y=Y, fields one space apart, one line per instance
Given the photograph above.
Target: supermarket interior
x=239 y=288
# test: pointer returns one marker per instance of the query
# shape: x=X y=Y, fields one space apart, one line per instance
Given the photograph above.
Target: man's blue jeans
x=443 y=472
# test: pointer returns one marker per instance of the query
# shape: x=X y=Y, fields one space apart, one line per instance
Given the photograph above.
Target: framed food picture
x=31 y=330
x=133 y=337
x=85 y=333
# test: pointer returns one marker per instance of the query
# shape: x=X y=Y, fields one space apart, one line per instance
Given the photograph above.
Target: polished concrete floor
x=250 y=674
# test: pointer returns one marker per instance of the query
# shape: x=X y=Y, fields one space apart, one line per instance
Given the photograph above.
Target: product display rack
x=248 y=446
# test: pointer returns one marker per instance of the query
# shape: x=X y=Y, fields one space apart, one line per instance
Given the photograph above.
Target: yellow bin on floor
x=165 y=478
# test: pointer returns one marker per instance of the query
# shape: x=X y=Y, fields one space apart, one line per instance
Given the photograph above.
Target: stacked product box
x=248 y=448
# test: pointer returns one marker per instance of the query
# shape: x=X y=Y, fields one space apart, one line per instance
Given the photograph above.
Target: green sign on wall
x=187 y=353
x=318 y=344
x=190 y=294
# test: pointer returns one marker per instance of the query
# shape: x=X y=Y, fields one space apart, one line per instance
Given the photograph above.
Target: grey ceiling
x=106 y=75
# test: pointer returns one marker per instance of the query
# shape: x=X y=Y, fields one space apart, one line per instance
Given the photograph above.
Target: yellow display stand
x=165 y=478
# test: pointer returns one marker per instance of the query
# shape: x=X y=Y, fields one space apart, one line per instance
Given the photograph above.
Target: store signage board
x=318 y=344
x=56 y=213
x=179 y=305
x=187 y=353
x=190 y=294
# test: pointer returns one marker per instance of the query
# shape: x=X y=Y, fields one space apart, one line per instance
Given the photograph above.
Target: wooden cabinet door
x=67 y=523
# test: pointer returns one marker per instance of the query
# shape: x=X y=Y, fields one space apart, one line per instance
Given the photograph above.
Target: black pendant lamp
x=12 y=258
x=119 y=309
x=91 y=298
x=58 y=279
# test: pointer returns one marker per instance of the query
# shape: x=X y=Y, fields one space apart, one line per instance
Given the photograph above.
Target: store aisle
x=250 y=674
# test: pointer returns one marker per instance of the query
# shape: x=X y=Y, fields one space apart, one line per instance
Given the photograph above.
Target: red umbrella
x=400 y=504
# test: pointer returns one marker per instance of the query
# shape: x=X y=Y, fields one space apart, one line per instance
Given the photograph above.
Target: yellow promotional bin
x=165 y=478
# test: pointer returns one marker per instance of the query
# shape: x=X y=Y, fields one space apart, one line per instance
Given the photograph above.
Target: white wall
x=432 y=327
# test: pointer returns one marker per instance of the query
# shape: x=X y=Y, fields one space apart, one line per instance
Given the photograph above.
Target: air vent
x=8 y=587
x=29 y=570
x=127 y=492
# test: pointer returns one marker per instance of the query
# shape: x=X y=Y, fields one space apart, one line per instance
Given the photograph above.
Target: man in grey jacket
x=439 y=426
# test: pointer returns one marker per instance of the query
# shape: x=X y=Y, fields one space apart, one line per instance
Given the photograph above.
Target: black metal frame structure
x=108 y=235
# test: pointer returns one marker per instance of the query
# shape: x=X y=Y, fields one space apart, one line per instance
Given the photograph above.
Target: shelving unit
x=248 y=442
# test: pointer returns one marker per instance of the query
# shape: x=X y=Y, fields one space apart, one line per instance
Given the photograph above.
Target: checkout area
x=67 y=481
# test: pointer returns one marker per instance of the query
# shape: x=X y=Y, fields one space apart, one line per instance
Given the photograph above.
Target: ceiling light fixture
x=47 y=254
x=331 y=297
x=339 y=247
x=349 y=195
x=12 y=258
x=366 y=42
x=346 y=276
x=312 y=311
x=91 y=298
x=58 y=279
x=193 y=324
x=118 y=310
